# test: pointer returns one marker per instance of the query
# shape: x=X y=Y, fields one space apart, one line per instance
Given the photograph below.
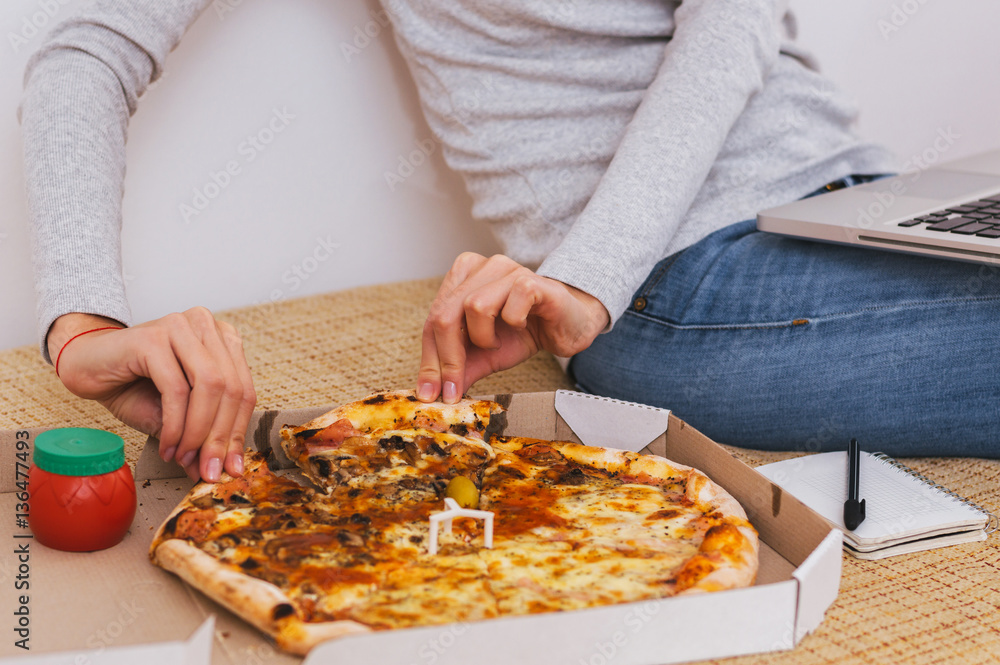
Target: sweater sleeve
x=80 y=89
x=719 y=56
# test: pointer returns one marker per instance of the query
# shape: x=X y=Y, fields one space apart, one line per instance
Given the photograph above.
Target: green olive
x=463 y=491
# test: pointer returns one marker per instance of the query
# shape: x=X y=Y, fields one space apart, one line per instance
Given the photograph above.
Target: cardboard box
x=93 y=606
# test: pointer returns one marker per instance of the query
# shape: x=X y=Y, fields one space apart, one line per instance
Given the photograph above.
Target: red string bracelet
x=85 y=332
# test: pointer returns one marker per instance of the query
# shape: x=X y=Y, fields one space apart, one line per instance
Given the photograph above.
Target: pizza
x=554 y=526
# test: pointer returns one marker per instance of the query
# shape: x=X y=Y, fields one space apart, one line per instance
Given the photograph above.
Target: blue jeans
x=774 y=343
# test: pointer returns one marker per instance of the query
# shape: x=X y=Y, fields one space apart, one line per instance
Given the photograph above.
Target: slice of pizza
x=392 y=434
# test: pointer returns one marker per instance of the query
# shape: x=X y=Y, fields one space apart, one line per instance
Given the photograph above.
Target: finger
x=192 y=469
x=442 y=355
x=429 y=375
x=481 y=309
x=526 y=292
x=449 y=339
x=161 y=366
x=524 y=298
x=214 y=449
x=518 y=296
x=443 y=360
x=484 y=305
x=516 y=346
x=465 y=265
x=234 y=454
x=429 y=383
x=207 y=386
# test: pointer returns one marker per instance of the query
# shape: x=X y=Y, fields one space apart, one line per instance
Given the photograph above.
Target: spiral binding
x=993 y=521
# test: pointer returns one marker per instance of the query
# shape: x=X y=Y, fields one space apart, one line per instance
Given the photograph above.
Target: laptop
x=951 y=211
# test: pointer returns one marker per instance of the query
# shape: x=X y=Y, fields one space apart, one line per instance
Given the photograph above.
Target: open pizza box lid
x=96 y=608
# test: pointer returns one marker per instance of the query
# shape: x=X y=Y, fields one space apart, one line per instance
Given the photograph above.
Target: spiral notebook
x=906 y=511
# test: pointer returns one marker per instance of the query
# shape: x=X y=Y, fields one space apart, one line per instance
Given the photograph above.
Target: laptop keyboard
x=976 y=218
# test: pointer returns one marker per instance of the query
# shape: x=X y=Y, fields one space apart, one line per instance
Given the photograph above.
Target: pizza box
x=113 y=606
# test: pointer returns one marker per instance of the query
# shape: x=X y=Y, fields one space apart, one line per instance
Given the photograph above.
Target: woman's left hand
x=491 y=314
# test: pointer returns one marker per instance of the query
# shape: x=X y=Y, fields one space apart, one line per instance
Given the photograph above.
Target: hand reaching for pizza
x=182 y=378
x=491 y=314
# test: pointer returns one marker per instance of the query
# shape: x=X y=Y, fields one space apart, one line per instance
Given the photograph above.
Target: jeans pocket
x=640 y=300
x=673 y=281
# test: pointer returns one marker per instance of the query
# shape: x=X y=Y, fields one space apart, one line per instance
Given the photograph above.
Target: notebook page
x=898 y=506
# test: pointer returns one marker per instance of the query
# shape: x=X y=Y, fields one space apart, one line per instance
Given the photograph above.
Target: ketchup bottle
x=81 y=494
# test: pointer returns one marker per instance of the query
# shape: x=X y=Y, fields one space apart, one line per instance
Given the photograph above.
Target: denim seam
x=802 y=321
x=907 y=305
x=771 y=325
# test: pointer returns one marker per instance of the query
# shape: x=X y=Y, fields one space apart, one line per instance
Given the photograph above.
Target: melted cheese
x=567 y=535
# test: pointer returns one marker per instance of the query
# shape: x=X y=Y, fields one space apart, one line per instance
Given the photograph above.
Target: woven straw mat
x=941 y=606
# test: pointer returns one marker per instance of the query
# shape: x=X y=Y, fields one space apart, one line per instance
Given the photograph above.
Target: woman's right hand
x=182 y=378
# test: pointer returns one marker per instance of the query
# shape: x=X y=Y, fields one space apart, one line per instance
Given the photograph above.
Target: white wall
x=324 y=173
x=916 y=66
x=321 y=179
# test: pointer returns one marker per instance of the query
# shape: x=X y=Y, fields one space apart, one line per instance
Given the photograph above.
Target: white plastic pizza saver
x=453 y=510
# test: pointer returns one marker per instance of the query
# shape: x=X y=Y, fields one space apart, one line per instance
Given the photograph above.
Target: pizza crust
x=260 y=603
x=257 y=602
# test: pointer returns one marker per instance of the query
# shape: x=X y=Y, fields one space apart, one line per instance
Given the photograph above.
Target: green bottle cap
x=79 y=451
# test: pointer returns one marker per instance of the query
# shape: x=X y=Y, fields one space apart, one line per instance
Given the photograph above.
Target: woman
x=613 y=147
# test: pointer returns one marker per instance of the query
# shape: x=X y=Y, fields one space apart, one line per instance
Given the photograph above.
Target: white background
x=323 y=179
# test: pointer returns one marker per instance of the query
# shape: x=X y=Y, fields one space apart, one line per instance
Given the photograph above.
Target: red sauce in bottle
x=81 y=494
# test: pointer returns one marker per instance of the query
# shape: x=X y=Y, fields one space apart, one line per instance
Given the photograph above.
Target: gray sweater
x=595 y=137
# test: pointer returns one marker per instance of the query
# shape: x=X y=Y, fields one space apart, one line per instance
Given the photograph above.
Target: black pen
x=854 y=510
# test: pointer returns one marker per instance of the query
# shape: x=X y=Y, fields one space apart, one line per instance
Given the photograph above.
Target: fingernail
x=238 y=465
x=168 y=454
x=213 y=469
x=450 y=391
x=425 y=392
x=188 y=458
